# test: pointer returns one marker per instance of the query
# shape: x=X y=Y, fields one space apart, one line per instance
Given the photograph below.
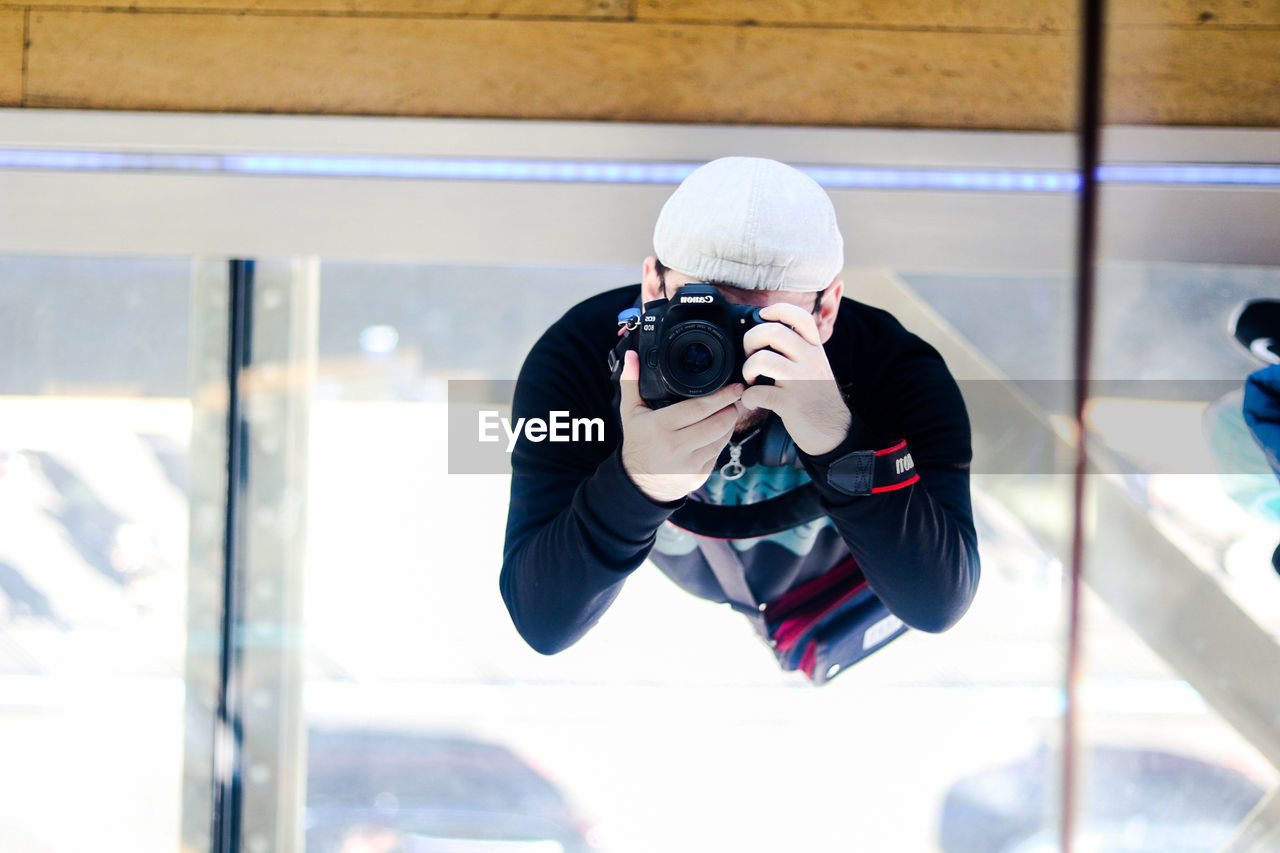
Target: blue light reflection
x=605 y=172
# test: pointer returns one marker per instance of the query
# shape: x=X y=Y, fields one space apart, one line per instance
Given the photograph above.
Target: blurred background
x=246 y=605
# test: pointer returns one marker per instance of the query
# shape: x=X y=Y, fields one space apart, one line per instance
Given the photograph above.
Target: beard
x=748 y=419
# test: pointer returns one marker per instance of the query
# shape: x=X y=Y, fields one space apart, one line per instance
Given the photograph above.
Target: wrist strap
x=872 y=472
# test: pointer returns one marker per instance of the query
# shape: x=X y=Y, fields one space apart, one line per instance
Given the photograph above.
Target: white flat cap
x=751 y=222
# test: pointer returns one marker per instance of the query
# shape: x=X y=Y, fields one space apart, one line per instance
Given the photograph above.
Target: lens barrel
x=694 y=358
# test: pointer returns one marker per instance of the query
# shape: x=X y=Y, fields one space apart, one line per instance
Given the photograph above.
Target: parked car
x=376 y=791
x=1134 y=801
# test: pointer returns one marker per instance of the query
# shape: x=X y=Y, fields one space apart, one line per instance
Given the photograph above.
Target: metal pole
x=229 y=730
x=1091 y=59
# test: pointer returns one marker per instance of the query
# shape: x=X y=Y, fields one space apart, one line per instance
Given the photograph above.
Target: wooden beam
x=1187 y=77
x=11 y=50
x=1005 y=65
x=994 y=15
x=420 y=8
x=1198 y=14
x=538 y=69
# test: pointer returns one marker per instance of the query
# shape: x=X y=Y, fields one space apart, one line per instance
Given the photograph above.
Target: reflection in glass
x=1183 y=623
x=1180 y=631
x=670 y=712
x=95 y=421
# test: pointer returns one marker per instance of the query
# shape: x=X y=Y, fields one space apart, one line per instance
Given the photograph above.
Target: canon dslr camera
x=691 y=344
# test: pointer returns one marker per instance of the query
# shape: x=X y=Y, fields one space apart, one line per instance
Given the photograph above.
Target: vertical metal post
x=203 y=675
x=277 y=391
x=254 y=353
x=229 y=724
x=1091 y=62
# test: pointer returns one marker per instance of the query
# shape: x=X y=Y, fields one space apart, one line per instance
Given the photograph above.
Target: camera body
x=690 y=345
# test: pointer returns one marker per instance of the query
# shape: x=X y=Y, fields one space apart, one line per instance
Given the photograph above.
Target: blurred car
x=1134 y=801
x=120 y=550
x=376 y=791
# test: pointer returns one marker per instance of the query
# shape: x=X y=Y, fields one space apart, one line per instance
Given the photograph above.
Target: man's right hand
x=669 y=452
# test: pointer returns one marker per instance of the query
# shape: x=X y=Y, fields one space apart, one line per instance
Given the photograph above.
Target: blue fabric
x=1262 y=412
x=759 y=483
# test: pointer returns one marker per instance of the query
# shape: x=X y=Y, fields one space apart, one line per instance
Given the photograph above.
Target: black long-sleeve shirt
x=577 y=526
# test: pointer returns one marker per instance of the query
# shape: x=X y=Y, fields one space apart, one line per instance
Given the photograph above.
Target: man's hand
x=804 y=393
x=670 y=452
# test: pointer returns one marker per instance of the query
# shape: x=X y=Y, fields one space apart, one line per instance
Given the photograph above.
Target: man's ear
x=650 y=283
x=829 y=308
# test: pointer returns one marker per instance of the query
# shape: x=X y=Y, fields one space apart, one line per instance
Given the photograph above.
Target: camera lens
x=695 y=359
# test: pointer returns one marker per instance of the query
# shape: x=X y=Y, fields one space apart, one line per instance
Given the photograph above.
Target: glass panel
x=1182 y=638
x=416 y=680
x=421 y=699
x=1183 y=621
x=96 y=563
x=1001 y=668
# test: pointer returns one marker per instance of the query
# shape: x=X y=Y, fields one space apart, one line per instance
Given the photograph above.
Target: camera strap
x=617 y=355
x=873 y=472
x=628 y=320
x=730 y=573
x=747 y=521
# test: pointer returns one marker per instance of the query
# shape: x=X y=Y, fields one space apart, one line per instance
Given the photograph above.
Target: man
x=843 y=381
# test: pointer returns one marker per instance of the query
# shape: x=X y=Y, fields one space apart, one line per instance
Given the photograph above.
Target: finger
x=794 y=316
x=706 y=455
x=686 y=412
x=629 y=402
x=777 y=337
x=706 y=462
x=761 y=397
x=706 y=430
x=767 y=363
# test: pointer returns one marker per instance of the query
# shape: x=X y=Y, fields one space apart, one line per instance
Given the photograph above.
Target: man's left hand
x=804 y=393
